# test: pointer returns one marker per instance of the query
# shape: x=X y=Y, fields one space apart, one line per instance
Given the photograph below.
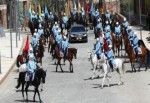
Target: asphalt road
x=77 y=87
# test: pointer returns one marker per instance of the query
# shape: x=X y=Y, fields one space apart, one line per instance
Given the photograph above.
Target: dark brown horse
x=40 y=51
x=69 y=56
x=51 y=45
x=118 y=44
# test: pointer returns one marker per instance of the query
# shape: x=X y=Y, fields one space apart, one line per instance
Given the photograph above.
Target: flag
x=79 y=7
x=26 y=46
x=66 y=8
x=92 y=9
x=46 y=11
x=102 y=8
x=29 y=11
x=39 y=10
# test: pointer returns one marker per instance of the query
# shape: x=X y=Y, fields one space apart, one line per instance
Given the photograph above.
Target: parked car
x=77 y=33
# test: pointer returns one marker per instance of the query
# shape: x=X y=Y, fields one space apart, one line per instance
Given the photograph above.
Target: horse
x=144 y=56
x=33 y=25
x=95 y=62
x=51 y=45
x=119 y=68
x=40 y=52
x=39 y=78
x=69 y=57
x=73 y=51
x=118 y=44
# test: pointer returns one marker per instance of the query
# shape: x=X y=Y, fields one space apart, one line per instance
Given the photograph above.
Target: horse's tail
x=17 y=62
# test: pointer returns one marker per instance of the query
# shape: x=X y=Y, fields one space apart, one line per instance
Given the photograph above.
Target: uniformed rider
x=125 y=24
x=65 y=20
x=135 y=43
x=107 y=15
x=58 y=39
x=40 y=30
x=98 y=48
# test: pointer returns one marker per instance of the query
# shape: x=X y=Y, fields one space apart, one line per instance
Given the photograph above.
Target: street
x=77 y=87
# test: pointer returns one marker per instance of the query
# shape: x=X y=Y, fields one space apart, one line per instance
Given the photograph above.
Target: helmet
x=117 y=23
x=64 y=13
x=33 y=12
x=110 y=46
x=98 y=20
x=34 y=34
x=35 y=30
x=31 y=49
x=124 y=19
x=130 y=27
x=65 y=37
x=40 y=25
x=59 y=30
x=50 y=13
x=106 y=22
x=97 y=39
x=55 y=23
x=107 y=10
x=135 y=34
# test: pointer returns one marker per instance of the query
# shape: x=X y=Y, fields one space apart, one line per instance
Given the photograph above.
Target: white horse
x=119 y=68
x=103 y=62
x=95 y=62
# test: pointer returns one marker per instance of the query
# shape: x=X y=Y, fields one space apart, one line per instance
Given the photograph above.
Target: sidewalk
x=7 y=62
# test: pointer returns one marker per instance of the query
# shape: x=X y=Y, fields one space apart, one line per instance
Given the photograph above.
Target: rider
x=30 y=53
x=98 y=48
x=58 y=39
x=107 y=15
x=74 y=13
x=65 y=20
x=125 y=24
x=118 y=29
x=135 y=43
x=40 y=30
x=97 y=15
x=130 y=34
x=110 y=58
x=33 y=16
x=54 y=27
x=83 y=13
x=55 y=32
x=31 y=65
x=99 y=24
x=64 y=46
x=34 y=42
x=106 y=26
x=51 y=16
x=107 y=36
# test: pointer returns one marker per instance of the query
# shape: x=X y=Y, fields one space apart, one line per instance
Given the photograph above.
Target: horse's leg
x=102 y=85
x=134 y=68
x=107 y=80
x=94 y=69
x=118 y=50
x=34 y=94
x=59 y=63
x=26 y=89
x=23 y=90
x=38 y=94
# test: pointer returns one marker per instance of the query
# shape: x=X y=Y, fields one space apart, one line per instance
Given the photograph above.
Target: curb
x=12 y=66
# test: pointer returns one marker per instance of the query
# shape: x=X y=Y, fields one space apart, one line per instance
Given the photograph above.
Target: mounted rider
x=64 y=20
x=125 y=24
x=107 y=15
x=33 y=16
x=54 y=27
x=98 y=49
x=99 y=24
x=106 y=26
x=110 y=58
x=135 y=44
x=64 y=46
x=40 y=30
x=82 y=14
x=51 y=17
x=108 y=36
x=130 y=34
x=97 y=15
x=58 y=39
x=32 y=67
x=34 y=43
x=56 y=31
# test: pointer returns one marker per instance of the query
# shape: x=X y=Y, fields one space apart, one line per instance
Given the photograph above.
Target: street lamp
x=10 y=25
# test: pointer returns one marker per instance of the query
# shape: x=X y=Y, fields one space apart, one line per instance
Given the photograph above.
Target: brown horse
x=118 y=44
x=73 y=51
x=69 y=57
x=51 y=45
x=40 y=51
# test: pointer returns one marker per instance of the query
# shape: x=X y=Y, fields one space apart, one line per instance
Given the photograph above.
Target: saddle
x=139 y=51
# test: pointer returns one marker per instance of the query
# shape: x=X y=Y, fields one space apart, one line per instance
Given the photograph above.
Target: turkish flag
x=26 y=46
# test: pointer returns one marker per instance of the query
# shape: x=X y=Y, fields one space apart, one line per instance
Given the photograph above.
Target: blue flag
x=46 y=11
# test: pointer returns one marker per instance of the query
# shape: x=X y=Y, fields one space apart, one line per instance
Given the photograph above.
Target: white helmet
x=65 y=37
x=98 y=20
x=50 y=13
x=106 y=22
x=130 y=27
x=31 y=49
x=59 y=30
x=35 y=29
x=40 y=25
x=34 y=34
x=117 y=23
x=124 y=19
x=110 y=46
x=64 y=13
x=135 y=33
x=97 y=39
x=55 y=23
x=107 y=10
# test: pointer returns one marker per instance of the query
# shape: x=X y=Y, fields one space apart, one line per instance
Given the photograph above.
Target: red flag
x=86 y=6
x=26 y=46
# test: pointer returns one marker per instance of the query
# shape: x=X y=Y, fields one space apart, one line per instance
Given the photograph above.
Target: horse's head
x=42 y=40
x=90 y=54
x=41 y=74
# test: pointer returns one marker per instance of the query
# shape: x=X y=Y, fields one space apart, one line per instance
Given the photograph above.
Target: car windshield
x=78 y=29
